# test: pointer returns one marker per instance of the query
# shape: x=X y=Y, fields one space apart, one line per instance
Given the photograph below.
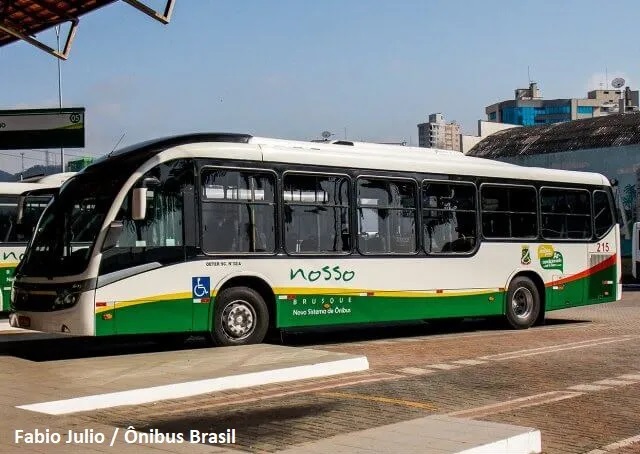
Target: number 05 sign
x=42 y=128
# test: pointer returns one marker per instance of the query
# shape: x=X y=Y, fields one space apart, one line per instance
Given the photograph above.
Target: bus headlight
x=65 y=299
x=70 y=299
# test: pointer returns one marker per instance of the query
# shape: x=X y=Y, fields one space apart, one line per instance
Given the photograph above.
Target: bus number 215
x=603 y=246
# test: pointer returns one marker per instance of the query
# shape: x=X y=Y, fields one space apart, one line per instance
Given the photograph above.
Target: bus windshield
x=69 y=226
x=8 y=210
x=14 y=230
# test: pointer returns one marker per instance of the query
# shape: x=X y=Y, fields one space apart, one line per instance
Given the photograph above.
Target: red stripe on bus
x=588 y=272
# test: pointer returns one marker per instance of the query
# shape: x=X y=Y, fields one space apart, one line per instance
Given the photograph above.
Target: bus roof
x=345 y=154
x=46 y=182
x=17 y=188
x=56 y=179
x=402 y=158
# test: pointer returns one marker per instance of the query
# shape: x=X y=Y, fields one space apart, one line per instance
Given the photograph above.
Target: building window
x=509 y=211
x=566 y=213
x=492 y=115
x=316 y=213
x=449 y=217
x=386 y=216
x=585 y=110
x=238 y=211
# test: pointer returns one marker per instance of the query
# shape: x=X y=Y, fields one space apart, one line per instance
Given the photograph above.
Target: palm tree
x=629 y=197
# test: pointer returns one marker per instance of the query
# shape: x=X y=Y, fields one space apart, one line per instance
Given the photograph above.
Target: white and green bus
x=230 y=235
x=21 y=204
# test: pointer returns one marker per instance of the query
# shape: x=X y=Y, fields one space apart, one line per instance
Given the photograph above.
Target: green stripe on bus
x=168 y=316
x=312 y=310
x=183 y=315
x=6 y=280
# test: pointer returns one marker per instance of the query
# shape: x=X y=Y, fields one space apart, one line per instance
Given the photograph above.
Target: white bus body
x=233 y=234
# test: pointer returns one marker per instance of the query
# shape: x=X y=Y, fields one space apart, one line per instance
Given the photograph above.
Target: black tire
x=523 y=303
x=240 y=317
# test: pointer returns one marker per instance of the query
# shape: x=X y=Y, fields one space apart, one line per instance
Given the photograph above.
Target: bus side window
x=449 y=217
x=603 y=214
x=565 y=213
x=386 y=216
x=509 y=211
x=238 y=211
x=316 y=213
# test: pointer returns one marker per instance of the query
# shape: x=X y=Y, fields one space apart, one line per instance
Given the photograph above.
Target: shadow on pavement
x=251 y=424
x=54 y=349
x=87 y=347
x=358 y=333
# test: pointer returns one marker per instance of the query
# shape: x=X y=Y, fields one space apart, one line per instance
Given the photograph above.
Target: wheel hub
x=522 y=302
x=238 y=320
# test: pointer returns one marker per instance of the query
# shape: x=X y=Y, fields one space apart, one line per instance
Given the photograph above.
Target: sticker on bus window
x=201 y=289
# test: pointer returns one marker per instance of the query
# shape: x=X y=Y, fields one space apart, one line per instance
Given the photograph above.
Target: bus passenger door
x=152 y=241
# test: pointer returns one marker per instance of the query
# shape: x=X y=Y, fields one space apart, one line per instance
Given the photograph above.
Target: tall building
x=530 y=109
x=437 y=133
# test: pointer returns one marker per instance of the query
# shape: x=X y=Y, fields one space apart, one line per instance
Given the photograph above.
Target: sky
x=362 y=69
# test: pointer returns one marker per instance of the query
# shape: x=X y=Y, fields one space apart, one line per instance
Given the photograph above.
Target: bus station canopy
x=24 y=19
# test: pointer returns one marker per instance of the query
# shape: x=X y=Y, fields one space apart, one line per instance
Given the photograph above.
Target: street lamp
x=60 y=94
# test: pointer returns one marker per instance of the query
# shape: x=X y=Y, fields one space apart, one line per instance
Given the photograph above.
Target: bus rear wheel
x=240 y=317
x=523 y=303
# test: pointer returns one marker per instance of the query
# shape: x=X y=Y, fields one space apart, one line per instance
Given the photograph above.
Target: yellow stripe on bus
x=369 y=292
x=308 y=291
x=8 y=264
x=145 y=300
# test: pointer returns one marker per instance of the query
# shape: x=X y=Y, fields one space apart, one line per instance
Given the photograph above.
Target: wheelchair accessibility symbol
x=200 y=289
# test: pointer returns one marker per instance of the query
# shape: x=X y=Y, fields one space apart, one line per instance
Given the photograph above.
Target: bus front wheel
x=523 y=303
x=240 y=317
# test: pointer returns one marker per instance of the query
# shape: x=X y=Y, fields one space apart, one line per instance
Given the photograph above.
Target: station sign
x=42 y=128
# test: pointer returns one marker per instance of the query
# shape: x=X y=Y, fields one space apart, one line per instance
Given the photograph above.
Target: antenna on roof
x=528 y=74
x=118 y=142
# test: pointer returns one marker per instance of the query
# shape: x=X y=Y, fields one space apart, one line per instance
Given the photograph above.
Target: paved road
x=577 y=379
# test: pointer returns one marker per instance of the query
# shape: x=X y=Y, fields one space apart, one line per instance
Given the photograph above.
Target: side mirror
x=150 y=182
x=113 y=234
x=139 y=204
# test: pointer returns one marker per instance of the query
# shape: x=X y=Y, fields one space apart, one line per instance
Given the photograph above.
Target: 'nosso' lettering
x=326 y=273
